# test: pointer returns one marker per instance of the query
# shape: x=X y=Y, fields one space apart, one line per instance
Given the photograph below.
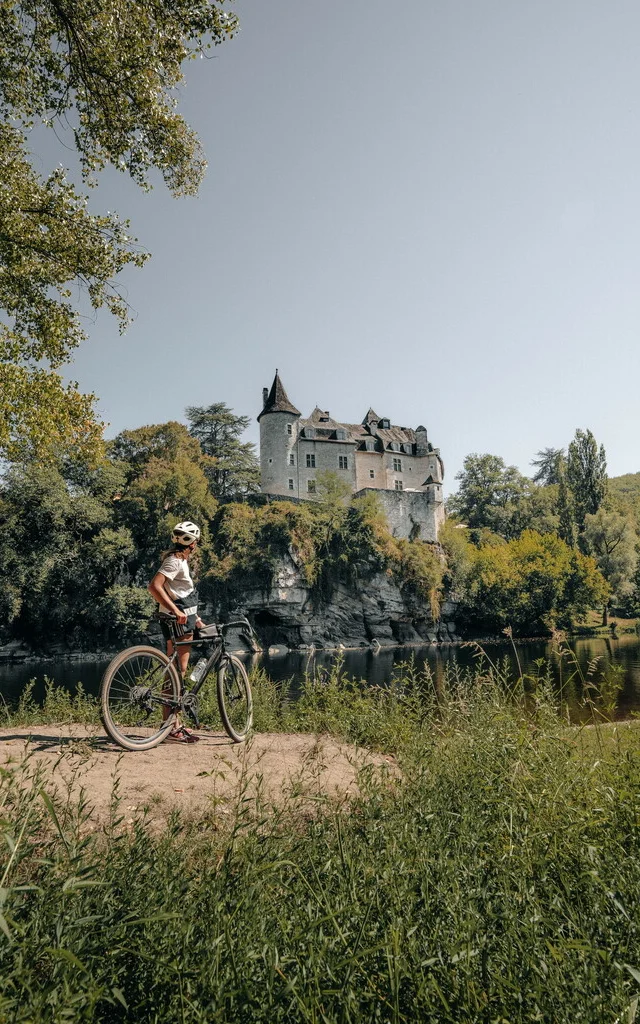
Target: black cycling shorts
x=189 y=605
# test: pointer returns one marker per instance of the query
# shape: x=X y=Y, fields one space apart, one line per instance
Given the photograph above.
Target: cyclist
x=172 y=587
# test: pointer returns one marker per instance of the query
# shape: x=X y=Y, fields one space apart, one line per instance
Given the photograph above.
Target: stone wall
x=412 y=514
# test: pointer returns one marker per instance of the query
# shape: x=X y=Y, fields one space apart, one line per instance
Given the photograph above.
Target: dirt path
x=197 y=777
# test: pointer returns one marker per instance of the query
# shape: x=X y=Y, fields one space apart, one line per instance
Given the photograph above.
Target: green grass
x=493 y=877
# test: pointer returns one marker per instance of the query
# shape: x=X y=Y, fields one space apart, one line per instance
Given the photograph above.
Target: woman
x=172 y=587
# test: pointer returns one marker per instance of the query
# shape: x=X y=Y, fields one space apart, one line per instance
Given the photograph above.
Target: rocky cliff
x=378 y=610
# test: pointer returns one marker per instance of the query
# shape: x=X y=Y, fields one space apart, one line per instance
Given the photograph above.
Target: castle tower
x=278 y=435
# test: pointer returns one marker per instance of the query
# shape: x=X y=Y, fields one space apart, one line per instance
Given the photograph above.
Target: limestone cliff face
x=289 y=613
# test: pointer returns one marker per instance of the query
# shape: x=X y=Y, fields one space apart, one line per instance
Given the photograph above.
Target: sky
x=431 y=208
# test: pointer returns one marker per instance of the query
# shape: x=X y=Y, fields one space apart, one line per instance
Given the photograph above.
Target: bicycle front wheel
x=234 y=699
x=138 y=698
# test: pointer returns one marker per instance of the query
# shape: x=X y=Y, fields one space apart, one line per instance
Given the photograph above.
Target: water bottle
x=198 y=670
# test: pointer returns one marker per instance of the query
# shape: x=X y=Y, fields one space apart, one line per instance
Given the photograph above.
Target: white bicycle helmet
x=185 y=533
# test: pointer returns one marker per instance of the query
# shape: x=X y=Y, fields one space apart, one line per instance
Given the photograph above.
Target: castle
x=399 y=463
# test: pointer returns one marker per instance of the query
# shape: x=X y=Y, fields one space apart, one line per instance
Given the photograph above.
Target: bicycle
x=143 y=692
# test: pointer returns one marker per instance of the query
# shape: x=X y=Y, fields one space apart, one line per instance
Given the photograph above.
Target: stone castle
x=399 y=463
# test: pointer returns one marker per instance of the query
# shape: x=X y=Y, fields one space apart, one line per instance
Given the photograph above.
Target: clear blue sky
x=429 y=207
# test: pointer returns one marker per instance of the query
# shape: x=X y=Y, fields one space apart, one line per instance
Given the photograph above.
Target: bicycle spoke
x=139 y=697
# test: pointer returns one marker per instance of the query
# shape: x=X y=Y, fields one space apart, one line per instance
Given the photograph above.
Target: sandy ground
x=202 y=777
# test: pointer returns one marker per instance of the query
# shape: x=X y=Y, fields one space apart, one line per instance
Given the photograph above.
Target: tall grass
x=492 y=877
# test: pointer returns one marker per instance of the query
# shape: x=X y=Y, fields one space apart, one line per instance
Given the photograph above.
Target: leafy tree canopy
x=611 y=538
x=499 y=498
x=108 y=70
x=532 y=582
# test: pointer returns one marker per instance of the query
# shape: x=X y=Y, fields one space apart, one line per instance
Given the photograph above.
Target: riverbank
x=488 y=871
x=16 y=652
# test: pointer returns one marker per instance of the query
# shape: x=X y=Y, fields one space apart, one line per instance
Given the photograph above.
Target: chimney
x=265 y=395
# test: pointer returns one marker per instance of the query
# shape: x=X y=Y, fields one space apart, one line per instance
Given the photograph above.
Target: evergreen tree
x=233 y=469
x=549 y=463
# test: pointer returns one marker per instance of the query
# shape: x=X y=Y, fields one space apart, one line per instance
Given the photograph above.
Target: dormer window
x=385 y=424
x=370 y=446
x=341 y=435
x=407 y=448
x=309 y=432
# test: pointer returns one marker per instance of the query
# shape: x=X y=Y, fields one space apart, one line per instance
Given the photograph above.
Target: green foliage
x=549 y=464
x=127 y=609
x=166 y=481
x=531 y=583
x=233 y=469
x=108 y=71
x=328 y=540
x=586 y=475
x=499 y=498
x=421 y=570
x=490 y=874
x=611 y=538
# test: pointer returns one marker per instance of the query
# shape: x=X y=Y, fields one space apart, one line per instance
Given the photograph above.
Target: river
x=623 y=655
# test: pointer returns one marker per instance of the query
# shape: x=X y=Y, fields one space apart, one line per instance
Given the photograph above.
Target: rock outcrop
x=379 y=610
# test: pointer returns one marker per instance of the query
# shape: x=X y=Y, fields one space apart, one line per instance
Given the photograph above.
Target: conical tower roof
x=277 y=399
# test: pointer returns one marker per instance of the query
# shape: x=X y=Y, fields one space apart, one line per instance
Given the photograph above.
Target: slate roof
x=278 y=400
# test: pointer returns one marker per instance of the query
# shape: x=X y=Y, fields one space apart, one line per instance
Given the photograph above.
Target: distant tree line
x=79 y=540
x=569 y=499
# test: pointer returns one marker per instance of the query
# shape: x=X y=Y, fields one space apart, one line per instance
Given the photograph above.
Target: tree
x=495 y=497
x=611 y=538
x=165 y=481
x=532 y=582
x=586 y=475
x=60 y=552
x=234 y=469
x=548 y=462
x=109 y=69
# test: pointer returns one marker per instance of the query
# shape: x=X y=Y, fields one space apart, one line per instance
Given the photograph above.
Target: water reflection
x=378 y=667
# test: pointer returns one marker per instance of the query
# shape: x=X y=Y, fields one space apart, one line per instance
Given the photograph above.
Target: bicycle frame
x=214 y=659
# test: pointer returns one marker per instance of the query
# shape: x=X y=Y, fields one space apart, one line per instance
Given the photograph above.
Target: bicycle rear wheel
x=234 y=698
x=138 y=697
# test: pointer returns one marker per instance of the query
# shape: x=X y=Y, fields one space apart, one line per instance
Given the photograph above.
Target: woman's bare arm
x=157 y=590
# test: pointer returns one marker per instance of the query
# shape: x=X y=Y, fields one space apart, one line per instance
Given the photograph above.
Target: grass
x=592 y=624
x=493 y=878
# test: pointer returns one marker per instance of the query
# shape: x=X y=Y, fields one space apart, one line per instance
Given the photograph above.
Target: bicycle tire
x=133 y=694
x=234 y=699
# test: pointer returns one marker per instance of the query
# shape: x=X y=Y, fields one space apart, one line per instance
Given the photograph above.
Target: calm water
x=378 y=667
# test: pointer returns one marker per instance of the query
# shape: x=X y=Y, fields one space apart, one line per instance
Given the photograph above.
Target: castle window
x=398 y=485
x=397 y=465
x=309 y=432
x=342 y=462
x=290 y=484
x=311 y=486
x=341 y=435
x=372 y=474
x=292 y=459
x=385 y=424
x=311 y=462
x=407 y=448
x=370 y=446
x=289 y=429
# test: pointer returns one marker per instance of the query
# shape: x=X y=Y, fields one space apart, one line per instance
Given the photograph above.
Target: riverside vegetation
x=491 y=874
x=79 y=541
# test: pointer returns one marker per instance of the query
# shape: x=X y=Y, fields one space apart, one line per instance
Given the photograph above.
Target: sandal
x=182 y=735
